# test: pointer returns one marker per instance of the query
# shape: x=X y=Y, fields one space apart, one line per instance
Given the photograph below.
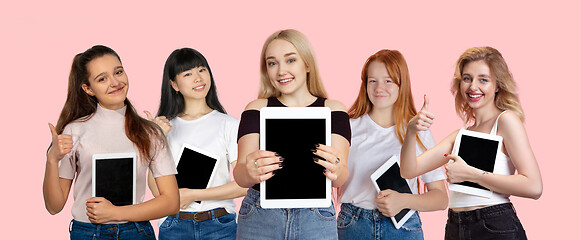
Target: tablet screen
x=391 y=179
x=479 y=153
x=293 y=139
x=114 y=179
x=194 y=169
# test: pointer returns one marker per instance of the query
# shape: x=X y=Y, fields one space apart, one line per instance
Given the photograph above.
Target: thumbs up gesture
x=161 y=121
x=61 y=144
x=423 y=120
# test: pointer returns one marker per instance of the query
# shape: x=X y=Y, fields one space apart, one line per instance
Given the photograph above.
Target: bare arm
x=526 y=183
x=100 y=210
x=227 y=191
x=55 y=190
x=390 y=202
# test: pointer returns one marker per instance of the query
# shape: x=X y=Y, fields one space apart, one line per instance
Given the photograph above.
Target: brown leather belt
x=201 y=216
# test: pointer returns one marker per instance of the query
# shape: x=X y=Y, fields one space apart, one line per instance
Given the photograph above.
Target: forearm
x=54 y=197
x=433 y=200
x=517 y=185
x=230 y=190
x=408 y=160
x=157 y=207
x=241 y=176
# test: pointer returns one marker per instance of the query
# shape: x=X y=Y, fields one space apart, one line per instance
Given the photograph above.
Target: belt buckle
x=196 y=217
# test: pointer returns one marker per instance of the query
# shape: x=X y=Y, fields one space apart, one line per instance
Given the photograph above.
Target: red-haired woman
x=378 y=119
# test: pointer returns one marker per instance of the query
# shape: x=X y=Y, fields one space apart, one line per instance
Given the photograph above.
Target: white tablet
x=293 y=132
x=388 y=177
x=478 y=150
x=196 y=168
x=114 y=177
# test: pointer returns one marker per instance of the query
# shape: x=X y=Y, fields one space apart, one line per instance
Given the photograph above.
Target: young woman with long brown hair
x=98 y=118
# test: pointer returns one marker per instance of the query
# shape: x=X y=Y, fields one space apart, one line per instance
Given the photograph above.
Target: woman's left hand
x=390 y=202
x=459 y=171
x=100 y=210
x=332 y=161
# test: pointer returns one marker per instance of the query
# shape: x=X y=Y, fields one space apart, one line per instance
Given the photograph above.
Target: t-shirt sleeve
x=340 y=124
x=231 y=140
x=163 y=163
x=436 y=174
x=68 y=164
x=249 y=123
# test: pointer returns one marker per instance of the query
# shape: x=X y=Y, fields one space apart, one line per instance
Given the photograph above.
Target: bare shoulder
x=509 y=120
x=335 y=105
x=257 y=104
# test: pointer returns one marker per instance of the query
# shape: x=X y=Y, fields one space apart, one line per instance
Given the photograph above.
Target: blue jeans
x=359 y=223
x=494 y=222
x=255 y=222
x=125 y=231
x=223 y=227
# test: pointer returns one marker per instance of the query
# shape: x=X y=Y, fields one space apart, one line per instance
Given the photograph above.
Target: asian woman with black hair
x=190 y=113
x=98 y=118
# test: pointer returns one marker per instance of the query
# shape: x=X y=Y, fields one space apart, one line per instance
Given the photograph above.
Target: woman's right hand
x=61 y=145
x=161 y=121
x=423 y=120
x=261 y=164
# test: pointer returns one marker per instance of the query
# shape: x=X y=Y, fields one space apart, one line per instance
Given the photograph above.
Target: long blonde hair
x=505 y=99
x=404 y=108
x=305 y=51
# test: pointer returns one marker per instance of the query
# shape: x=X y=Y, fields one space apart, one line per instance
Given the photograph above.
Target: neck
x=113 y=107
x=300 y=98
x=383 y=117
x=484 y=114
x=194 y=109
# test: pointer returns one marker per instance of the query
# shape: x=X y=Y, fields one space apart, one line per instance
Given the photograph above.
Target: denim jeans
x=223 y=227
x=255 y=222
x=126 y=231
x=359 y=223
x=494 y=222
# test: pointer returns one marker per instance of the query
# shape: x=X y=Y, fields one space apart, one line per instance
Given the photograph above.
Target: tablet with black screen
x=293 y=132
x=388 y=177
x=114 y=177
x=196 y=167
x=478 y=150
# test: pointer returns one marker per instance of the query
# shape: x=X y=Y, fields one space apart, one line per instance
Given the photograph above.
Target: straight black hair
x=172 y=102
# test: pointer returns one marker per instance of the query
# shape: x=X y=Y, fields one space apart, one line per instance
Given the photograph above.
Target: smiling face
x=381 y=89
x=478 y=86
x=193 y=83
x=286 y=69
x=107 y=82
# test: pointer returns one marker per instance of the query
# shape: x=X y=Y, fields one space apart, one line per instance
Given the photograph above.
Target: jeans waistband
x=358 y=212
x=106 y=228
x=477 y=214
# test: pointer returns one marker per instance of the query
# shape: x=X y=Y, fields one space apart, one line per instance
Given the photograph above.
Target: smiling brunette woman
x=98 y=118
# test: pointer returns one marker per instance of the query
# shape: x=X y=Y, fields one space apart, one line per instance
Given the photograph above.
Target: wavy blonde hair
x=403 y=108
x=505 y=99
x=305 y=51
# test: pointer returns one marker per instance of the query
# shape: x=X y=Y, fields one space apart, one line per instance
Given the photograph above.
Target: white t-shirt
x=216 y=133
x=371 y=146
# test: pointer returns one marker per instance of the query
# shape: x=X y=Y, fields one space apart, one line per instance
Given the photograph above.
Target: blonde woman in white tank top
x=486 y=100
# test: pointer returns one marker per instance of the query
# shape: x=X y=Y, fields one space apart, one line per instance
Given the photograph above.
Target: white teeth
x=474 y=96
x=200 y=87
x=285 y=80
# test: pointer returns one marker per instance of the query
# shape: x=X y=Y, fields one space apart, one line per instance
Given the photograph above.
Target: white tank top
x=502 y=166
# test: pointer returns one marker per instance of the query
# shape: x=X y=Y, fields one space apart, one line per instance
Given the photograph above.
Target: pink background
x=539 y=41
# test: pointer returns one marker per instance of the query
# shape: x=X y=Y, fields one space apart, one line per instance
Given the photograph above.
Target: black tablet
x=388 y=177
x=114 y=177
x=195 y=168
x=478 y=150
x=293 y=132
